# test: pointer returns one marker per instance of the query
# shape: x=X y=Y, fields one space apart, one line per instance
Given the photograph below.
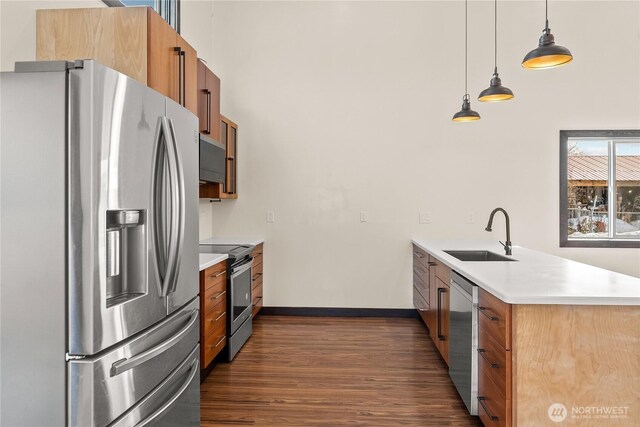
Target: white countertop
x=207 y=260
x=232 y=241
x=537 y=278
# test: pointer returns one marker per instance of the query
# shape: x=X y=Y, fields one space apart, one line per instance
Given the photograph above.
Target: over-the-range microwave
x=213 y=157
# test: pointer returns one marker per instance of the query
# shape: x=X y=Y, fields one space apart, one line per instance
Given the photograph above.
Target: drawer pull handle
x=481 y=400
x=217 y=275
x=481 y=352
x=219 y=317
x=219 y=342
x=418 y=254
x=418 y=271
x=218 y=295
x=432 y=264
x=483 y=310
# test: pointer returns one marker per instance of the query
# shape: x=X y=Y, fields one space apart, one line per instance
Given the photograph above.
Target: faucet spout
x=507 y=243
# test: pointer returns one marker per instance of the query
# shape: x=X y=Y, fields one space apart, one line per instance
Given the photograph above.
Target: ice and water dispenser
x=126 y=255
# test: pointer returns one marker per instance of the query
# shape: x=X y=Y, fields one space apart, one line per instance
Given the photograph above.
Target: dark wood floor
x=311 y=371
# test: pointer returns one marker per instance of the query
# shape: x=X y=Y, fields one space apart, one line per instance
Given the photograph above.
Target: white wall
x=346 y=106
x=195 y=26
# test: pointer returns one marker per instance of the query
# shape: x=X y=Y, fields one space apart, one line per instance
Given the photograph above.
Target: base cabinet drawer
x=215 y=321
x=421 y=272
x=213 y=312
x=257 y=305
x=420 y=304
x=494 y=317
x=422 y=287
x=212 y=346
x=495 y=362
x=257 y=279
x=213 y=296
x=493 y=408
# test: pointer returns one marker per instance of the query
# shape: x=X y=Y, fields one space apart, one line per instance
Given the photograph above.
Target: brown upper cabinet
x=229 y=132
x=229 y=190
x=133 y=40
x=209 y=102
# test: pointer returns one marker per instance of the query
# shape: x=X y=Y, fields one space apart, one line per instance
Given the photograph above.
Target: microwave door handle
x=179 y=195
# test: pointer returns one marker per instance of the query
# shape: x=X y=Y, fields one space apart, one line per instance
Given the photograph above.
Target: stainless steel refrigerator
x=98 y=250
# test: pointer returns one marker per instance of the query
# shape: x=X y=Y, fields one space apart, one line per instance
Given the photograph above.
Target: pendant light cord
x=546 y=15
x=495 y=35
x=465 y=47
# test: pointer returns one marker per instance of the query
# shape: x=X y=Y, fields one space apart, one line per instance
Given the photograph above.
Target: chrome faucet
x=507 y=244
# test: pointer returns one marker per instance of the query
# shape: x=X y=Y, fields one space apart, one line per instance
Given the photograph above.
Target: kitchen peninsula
x=568 y=332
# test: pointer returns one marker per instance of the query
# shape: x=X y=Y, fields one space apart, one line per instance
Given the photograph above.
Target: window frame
x=565 y=135
x=163 y=9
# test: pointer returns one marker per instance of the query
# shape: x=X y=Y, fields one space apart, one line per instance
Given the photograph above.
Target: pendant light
x=547 y=54
x=466 y=114
x=495 y=92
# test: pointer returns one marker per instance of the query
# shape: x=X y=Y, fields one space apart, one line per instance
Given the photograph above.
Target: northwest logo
x=557 y=412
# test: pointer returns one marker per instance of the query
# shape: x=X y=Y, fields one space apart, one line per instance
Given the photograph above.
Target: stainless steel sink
x=478 y=256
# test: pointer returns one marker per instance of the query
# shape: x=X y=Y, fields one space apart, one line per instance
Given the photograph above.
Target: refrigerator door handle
x=193 y=371
x=165 y=263
x=123 y=365
x=179 y=182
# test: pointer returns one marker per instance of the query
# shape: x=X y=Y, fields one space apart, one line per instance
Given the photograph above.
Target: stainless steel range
x=239 y=324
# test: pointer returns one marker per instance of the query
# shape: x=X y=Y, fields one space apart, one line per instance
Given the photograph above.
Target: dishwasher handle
x=440 y=336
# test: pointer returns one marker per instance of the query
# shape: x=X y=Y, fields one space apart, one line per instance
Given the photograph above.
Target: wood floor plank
x=334 y=371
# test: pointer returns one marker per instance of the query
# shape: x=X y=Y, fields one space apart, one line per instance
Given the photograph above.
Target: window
x=168 y=9
x=600 y=188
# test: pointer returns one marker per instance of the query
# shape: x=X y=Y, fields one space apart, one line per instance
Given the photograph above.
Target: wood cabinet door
x=189 y=75
x=116 y=37
x=213 y=86
x=203 y=99
x=163 y=61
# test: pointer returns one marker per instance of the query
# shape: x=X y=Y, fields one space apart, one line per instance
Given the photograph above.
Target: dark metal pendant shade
x=495 y=92
x=548 y=54
x=466 y=114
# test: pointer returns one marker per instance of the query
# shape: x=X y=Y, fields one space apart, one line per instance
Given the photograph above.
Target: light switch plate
x=471 y=217
x=425 y=217
x=364 y=216
x=271 y=216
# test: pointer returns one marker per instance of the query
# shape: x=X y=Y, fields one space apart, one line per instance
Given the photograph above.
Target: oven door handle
x=236 y=271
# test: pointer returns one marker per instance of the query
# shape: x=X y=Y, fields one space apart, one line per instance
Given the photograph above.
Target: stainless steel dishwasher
x=463 y=340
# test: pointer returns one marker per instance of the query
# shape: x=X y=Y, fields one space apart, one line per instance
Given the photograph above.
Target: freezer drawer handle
x=125 y=364
x=193 y=371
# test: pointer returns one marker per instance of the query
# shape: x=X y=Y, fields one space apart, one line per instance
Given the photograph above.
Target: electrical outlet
x=425 y=217
x=364 y=216
x=471 y=218
x=271 y=216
